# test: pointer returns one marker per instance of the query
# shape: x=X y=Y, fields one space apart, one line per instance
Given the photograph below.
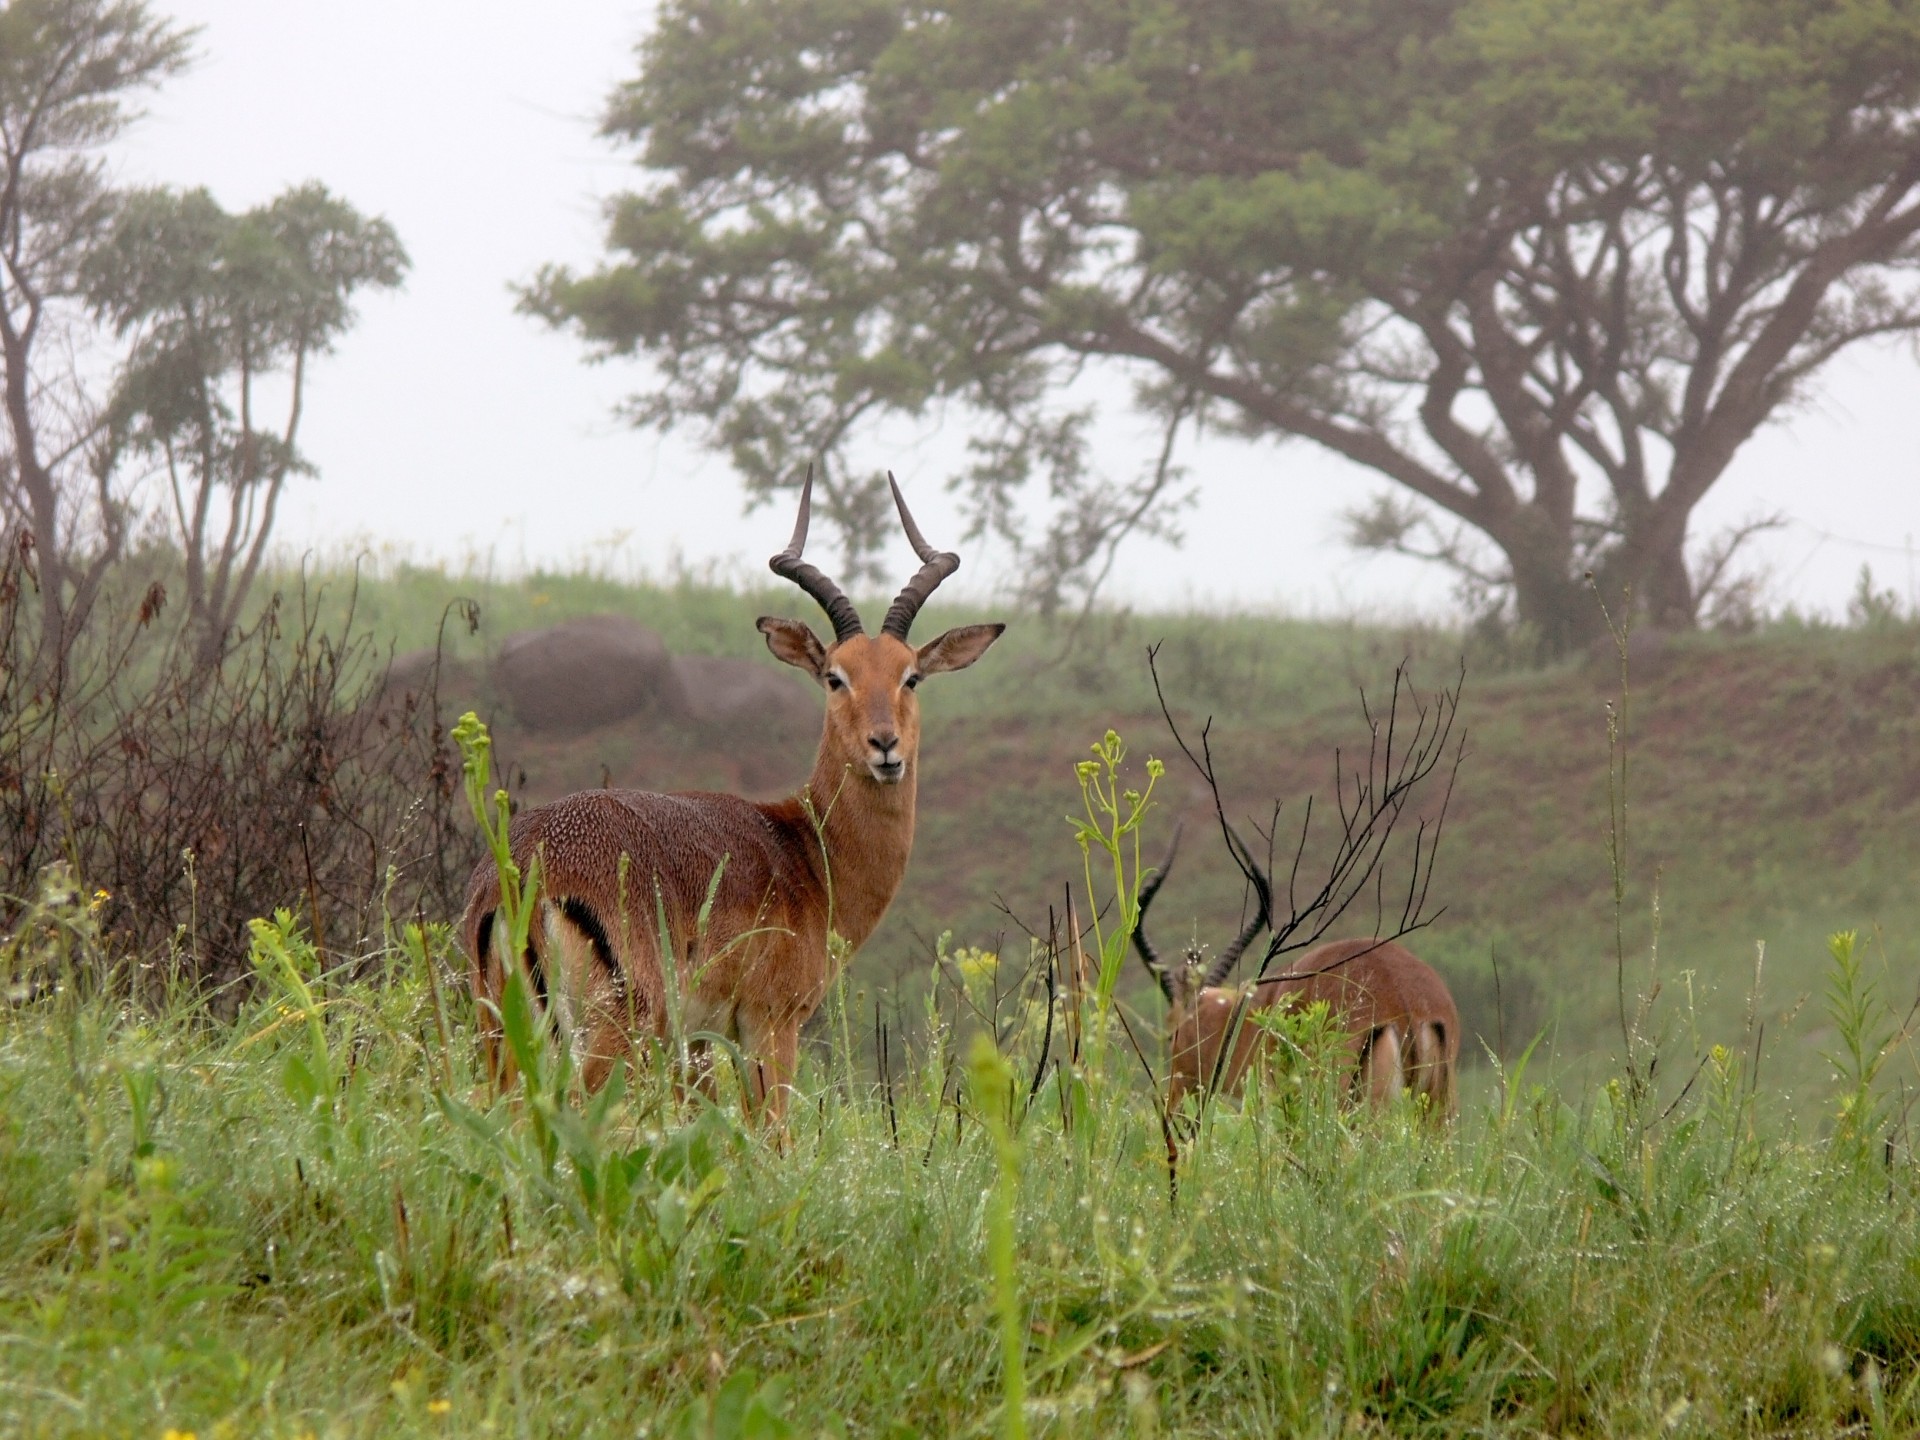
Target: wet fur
x=1402 y=1028
x=617 y=867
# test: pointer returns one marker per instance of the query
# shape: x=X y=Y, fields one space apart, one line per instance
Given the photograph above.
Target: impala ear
x=957 y=649
x=793 y=642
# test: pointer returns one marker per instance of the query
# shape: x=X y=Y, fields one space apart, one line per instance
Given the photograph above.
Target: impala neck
x=868 y=831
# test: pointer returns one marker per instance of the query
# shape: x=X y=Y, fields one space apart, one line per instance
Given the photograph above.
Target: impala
x=745 y=894
x=1403 y=1032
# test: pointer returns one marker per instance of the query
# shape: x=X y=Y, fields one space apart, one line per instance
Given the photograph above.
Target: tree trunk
x=1646 y=573
x=1549 y=596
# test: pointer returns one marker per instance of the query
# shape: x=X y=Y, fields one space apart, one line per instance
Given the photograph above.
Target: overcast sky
x=447 y=427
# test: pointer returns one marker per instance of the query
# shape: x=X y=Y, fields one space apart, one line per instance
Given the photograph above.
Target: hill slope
x=1773 y=793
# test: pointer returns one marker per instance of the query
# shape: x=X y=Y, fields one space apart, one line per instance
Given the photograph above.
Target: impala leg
x=1432 y=1076
x=1380 y=1071
x=607 y=1043
x=773 y=1049
x=700 y=1075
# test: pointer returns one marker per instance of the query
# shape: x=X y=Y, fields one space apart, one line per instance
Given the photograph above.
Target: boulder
x=729 y=699
x=409 y=675
x=585 y=672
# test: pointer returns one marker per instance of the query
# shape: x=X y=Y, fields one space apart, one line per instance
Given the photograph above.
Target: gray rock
x=585 y=672
x=746 y=699
x=409 y=674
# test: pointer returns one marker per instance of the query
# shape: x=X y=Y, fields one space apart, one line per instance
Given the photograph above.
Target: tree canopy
x=72 y=73
x=212 y=305
x=1543 y=264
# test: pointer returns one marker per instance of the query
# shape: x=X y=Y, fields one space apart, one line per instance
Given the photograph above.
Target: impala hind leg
x=1381 y=1077
x=1432 y=1076
x=772 y=1047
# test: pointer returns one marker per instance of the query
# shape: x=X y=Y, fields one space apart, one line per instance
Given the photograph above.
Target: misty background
x=449 y=429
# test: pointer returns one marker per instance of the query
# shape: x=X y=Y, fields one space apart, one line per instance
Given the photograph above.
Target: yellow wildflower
x=439 y=1407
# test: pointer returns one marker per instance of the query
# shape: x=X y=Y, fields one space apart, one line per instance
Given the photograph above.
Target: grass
x=313 y=1218
x=316 y=1220
x=195 y=1236
x=1776 y=792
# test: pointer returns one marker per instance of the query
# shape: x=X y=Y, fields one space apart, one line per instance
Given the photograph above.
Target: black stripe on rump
x=536 y=974
x=588 y=924
x=483 y=946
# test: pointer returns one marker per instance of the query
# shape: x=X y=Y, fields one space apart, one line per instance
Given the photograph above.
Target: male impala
x=1403 y=1032
x=617 y=867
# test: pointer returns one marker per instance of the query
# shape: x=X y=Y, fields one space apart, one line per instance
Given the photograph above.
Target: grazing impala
x=746 y=893
x=1403 y=1032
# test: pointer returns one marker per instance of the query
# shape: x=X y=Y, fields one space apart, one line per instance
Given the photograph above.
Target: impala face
x=873 y=715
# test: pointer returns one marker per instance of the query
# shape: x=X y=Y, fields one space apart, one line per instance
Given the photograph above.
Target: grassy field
x=313 y=1219
x=1774 y=793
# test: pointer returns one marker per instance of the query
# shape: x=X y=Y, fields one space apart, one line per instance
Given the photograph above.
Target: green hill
x=1773 y=793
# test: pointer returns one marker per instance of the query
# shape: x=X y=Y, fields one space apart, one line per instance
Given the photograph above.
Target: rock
x=409 y=674
x=585 y=672
x=729 y=699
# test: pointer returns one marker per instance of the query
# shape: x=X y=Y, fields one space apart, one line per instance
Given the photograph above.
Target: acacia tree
x=71 y=73
x=1544 y=264
x=220 y=312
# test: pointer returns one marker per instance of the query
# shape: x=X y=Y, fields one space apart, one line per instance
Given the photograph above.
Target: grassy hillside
x=313 y=1217
x=313 y=1221
x=1773 y=792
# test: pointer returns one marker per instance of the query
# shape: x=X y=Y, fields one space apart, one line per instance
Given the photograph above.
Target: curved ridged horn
x=1148 y=955
x=1262 y=915
x=936 y=566
x=789 y=566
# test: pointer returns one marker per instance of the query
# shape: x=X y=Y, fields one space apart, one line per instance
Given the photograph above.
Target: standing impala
x=745 y=893
x=1403 y=1032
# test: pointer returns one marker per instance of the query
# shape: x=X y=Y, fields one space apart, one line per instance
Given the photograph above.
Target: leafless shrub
x=1407 y=742
x=198 y=797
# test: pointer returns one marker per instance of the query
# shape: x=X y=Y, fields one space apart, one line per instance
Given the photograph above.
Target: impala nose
x=883 y=755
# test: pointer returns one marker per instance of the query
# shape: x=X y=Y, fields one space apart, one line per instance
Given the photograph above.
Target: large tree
x=1545 y=264
x=222 y=315
x=71 y=75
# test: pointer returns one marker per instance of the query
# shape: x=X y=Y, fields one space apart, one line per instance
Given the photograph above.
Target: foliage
x=1494 y=250
x=72 y=75
x=409 y=1266
x=202 y=798
x=215 y=308
x=1114 y=818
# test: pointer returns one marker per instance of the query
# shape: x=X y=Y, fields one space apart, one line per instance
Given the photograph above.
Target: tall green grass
x=317 y=1220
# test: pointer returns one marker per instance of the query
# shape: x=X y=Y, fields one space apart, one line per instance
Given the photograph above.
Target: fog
x=447 y=428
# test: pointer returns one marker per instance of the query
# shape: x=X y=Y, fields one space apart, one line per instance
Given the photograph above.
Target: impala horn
x=1150 y=957
x=936 y=566
x=788 y=565
x=1262 y=915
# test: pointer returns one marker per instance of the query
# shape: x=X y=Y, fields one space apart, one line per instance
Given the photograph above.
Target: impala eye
x=834 y=682
x=911 y=681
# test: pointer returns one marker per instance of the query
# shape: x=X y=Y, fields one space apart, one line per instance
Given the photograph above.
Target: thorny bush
x=198 y=796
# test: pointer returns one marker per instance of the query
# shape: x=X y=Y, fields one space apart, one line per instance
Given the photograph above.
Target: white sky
x=447 y=427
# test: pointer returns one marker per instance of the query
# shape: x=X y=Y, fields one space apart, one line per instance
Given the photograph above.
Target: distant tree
x=223 y=313
x=71 y=74
x=1544 y=264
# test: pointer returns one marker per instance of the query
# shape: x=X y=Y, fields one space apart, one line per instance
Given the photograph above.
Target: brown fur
x=616 y=862
x=1403 y=1031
